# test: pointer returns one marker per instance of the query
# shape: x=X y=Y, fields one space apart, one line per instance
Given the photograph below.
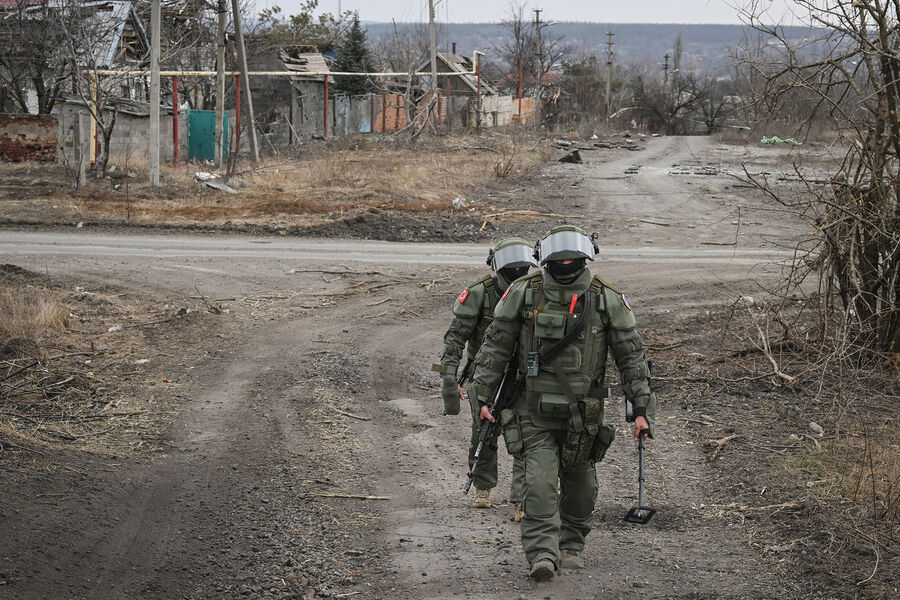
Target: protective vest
x=547 y=316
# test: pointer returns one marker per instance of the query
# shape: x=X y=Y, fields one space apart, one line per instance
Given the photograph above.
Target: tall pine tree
x=353 y=56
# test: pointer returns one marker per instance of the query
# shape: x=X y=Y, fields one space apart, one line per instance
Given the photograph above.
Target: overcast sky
x=492 y=11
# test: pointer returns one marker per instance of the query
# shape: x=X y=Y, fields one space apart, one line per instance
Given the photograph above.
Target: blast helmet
x=511 y=257
x=563 y=243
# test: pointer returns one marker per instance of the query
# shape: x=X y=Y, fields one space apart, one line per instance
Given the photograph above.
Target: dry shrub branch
x=833 y=324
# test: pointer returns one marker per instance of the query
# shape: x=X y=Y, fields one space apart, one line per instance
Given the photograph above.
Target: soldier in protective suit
x=473 y=311
x=559 y=324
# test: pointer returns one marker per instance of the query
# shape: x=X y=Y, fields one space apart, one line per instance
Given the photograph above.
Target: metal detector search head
x=639 y=513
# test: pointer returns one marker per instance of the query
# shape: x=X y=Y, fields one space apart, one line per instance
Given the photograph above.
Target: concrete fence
x=43 y=137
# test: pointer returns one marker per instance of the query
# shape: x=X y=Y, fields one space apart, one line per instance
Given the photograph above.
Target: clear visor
x=513 y=254
x=563 y=241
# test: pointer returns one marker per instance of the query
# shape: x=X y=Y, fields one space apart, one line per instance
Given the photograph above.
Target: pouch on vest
x=602 y=442
x=512 y=431
x=555 y=406
x=550 y=326
x=578 y=446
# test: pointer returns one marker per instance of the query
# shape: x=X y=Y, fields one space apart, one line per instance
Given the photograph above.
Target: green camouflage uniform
x=558 y=454
x=473 y=313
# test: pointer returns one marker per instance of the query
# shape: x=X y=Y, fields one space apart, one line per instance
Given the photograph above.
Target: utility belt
x=576 y=447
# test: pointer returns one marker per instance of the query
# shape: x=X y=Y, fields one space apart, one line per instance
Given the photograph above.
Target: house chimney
x=454 y=48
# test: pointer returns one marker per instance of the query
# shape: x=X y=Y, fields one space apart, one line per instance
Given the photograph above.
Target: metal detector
x=640 y=513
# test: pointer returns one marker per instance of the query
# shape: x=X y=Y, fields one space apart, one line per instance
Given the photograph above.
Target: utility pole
x=539 y=67
x=242 y=56
x=433 y=46
x=433 y=51
x=220 y=82
x=666 y=72
x=154 y=93
x=609 y=65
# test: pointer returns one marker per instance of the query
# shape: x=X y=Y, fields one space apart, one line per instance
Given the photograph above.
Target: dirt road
x=308 y=456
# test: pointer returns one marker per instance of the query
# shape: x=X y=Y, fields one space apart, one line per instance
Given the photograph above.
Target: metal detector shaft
x=640 y=513
x=641 y=468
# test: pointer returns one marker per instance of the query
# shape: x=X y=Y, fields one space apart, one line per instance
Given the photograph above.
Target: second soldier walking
x=473 y=312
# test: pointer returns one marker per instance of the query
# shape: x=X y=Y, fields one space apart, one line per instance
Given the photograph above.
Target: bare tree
x=405 y=49
x=849 y=77
x=29 y=58
x=716 y=103
x=92 y=40
x=667 y=104
x=520 y=44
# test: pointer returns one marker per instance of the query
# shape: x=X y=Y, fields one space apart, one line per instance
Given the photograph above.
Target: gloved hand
x=450 y=393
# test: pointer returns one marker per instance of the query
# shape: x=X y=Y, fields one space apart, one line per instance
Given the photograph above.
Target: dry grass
x=322 y=181
x=30 y=317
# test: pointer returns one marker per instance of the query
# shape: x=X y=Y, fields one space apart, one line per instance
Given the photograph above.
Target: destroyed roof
x=112 y=29
x=304 y=59
x=459 y=64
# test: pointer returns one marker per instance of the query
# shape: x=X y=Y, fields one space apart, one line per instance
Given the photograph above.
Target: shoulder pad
x=620 y=315
x=606 y=284
x=481 y=281
x=536 y=276
x=512 y=300
x=468 y=303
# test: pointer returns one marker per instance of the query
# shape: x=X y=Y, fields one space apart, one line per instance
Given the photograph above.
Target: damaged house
x=46 y=44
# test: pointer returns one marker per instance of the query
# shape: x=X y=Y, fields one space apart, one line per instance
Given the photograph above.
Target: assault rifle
x=509 y=389
x=466 y=371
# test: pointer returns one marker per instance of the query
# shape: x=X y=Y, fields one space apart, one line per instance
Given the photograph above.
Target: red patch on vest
x=502 y=298
x=462 y=296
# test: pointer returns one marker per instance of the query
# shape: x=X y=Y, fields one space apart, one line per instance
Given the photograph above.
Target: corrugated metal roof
x=298 y=59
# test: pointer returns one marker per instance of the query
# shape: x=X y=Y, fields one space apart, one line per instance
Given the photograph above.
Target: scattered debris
x=238 y=182
x=220 y=186
x=524 y=213
x=777 y=140
x=571 y=157
x=719 y=444
x=347 y=414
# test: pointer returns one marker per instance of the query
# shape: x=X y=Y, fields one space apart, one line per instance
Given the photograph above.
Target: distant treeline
x=709 y=47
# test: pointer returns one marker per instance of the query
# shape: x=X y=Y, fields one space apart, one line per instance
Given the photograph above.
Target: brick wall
x=27 y=137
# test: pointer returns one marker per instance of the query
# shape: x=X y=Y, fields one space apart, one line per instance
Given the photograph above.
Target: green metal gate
x=202 y=135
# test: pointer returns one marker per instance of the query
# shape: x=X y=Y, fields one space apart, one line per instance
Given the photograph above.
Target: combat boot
x=518 y=512
x=542 y=570
x=571 y=559
x=482 y=499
